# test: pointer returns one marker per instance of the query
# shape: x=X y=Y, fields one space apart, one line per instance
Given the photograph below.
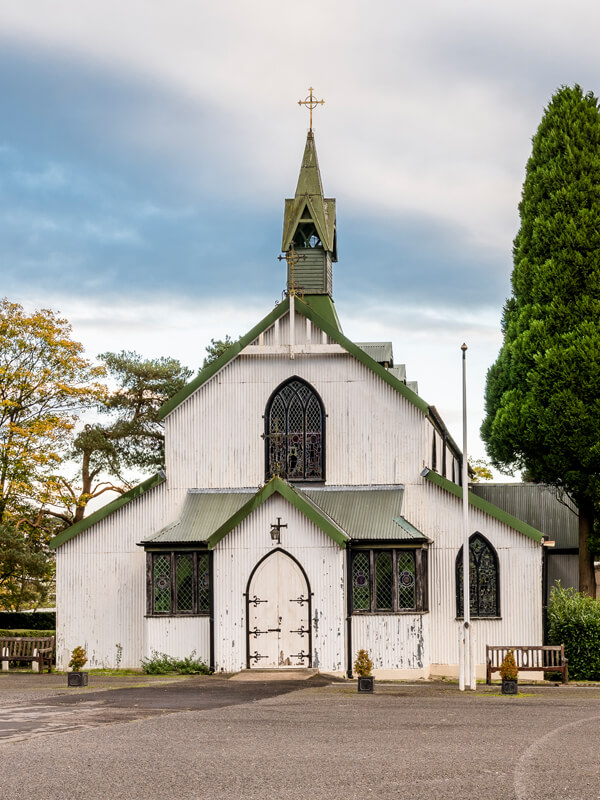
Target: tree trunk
x=587 y=578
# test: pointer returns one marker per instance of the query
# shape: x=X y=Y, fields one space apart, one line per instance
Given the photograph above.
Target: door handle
x=273 y=630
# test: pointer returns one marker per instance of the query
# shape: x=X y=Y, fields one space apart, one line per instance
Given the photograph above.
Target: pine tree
x=543 y=392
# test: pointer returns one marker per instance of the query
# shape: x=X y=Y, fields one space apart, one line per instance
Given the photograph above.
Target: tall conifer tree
x=543 y=392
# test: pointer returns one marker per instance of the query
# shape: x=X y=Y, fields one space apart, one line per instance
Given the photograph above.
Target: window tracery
x=295 y=433
x=483 y=579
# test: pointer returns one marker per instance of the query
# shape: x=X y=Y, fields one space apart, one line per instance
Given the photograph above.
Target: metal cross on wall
x=310 y=102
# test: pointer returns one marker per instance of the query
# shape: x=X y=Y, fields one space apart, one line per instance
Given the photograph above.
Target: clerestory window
x=484 y=583
x=178 y=583
x=295 y=433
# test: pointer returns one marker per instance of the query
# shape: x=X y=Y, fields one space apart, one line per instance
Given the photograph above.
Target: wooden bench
x=534 y=658
x=38 y=650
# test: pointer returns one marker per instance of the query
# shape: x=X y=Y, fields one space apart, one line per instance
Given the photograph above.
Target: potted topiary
x=76 y=677
x=509 y=674
x=363 y=666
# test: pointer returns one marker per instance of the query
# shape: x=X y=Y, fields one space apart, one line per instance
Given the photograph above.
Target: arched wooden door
x=278 y=604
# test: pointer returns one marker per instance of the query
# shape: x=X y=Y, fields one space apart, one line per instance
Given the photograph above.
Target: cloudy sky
x=146 y=149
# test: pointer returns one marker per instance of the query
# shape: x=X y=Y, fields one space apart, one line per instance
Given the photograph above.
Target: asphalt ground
x=208 y=737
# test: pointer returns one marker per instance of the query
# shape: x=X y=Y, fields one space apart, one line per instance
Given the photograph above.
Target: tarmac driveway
x=212 y=738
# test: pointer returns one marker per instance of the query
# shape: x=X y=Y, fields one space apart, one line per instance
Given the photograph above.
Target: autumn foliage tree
x=45 y=383
x=543 y=392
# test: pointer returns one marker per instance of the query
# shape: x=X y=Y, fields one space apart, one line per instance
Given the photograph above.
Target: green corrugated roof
x=412 y=532
x=323 y=305
x=379 y=351
x=204 y=512
x=225 y=510
x=103 y=512
x=536 y=504
x=365 y=512
x=484 y=505
x=369 y=512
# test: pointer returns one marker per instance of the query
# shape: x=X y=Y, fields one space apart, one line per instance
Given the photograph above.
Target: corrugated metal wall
x=215 y=437
x=321 y=558
x=101 y=583
x=373 y=436
x=563 y=567
x=178 y=637
x=439 y=515
x=394 y=641
x=539 y=505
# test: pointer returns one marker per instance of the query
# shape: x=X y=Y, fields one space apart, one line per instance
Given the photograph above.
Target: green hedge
x=35 y=620
x=23 y=632
x=574 y=620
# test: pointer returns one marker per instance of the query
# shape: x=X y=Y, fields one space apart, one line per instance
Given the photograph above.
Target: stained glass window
x=405 y=563
x=294 y=433
x=393 y=580
x=203 y=583
x=185 y=583
x=179 y=583
x=383 y=582
x=162 y=584
x=483 y=579
x=361 y=592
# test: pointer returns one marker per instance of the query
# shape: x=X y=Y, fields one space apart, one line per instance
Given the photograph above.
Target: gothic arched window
x=484 y=579
x=295 y=433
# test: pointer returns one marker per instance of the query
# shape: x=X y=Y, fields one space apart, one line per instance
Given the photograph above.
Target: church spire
x=309 y=226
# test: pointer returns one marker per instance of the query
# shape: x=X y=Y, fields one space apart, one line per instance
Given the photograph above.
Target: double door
x=278 y=615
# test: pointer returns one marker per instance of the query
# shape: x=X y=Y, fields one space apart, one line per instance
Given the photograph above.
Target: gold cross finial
x=310 y=102
x=292 y=259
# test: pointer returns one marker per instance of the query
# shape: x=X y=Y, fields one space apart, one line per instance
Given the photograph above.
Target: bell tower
x=309 y=227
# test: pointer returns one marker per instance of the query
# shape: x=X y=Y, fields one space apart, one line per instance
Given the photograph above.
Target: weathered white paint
x=278 y=619
x=438 y=514
x=236 y=556
x=394 y=641
x=214 y=440
x=101 y=582
x=178 y=637
x=223 y=421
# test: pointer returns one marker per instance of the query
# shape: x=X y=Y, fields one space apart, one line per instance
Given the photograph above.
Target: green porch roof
x=484 y=505
x=364 y=512
x=353 y=513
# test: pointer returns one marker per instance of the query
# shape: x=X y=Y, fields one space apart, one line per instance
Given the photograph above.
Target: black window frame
x=199 y=609
x=282 y=473
x=476 y=587
x=421 y=579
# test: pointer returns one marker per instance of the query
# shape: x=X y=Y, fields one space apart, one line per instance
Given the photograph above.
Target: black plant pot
x=77 y=679
x=510 y=686
x=366 y=684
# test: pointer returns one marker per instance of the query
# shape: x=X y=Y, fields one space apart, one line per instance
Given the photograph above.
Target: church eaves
x=484 y=505
x=305 y=307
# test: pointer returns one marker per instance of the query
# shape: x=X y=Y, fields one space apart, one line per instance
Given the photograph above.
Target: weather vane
x=310 y=102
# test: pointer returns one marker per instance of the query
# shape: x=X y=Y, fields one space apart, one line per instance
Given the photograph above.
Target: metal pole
x=465 y=494
x=461 y=658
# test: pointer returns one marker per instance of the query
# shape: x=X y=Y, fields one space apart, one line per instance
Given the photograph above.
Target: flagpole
x=466 y=679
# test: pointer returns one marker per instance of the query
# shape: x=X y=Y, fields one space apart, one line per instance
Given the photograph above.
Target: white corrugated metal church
x=310 y=506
